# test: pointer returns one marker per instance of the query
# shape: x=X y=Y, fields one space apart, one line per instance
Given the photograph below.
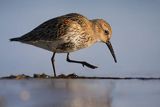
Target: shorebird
x=69 y=33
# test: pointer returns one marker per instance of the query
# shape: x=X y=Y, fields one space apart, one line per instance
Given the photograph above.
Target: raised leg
x=52 y=60
x=81 y=62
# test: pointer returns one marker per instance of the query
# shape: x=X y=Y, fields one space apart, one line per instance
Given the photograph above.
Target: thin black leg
x=52 y=60
x=81 y=62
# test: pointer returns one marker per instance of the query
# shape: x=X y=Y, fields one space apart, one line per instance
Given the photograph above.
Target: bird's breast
x=75 y=43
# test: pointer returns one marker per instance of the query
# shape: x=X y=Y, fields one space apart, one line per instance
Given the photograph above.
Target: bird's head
x=103 y=32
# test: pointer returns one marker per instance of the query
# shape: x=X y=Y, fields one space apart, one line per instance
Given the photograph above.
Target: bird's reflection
x=85 y=93
x=56 y=93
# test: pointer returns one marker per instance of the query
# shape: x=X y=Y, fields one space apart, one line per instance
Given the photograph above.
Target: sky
x=135 y=39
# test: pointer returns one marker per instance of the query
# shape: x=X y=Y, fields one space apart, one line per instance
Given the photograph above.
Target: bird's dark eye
x=106 y=32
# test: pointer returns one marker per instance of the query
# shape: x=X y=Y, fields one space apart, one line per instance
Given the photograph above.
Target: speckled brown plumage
x=68 y=33
x=69 y=30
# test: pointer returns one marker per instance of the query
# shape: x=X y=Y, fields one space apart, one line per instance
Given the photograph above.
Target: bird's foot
x=88 y=65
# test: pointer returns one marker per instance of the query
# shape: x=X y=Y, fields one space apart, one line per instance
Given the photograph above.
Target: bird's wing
x=47 y=31
x=54 y=28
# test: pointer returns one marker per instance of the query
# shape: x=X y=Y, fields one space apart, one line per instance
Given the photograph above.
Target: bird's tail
x=14 y=39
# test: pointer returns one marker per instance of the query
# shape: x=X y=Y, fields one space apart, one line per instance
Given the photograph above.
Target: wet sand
x=79 y=93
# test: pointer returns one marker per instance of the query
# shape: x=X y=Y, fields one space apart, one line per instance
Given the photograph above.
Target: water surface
x=79 y=93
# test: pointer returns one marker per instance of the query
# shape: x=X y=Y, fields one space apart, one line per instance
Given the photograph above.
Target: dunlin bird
x=69 y=33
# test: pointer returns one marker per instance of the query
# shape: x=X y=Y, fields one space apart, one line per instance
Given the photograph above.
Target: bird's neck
x=96 y=29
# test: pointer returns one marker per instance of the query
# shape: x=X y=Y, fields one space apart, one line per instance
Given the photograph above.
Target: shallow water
x=79 y=93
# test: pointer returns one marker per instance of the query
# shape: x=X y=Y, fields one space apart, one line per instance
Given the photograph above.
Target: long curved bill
x=111 y=50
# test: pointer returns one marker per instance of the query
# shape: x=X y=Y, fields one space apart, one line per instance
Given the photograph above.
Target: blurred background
x=136 y=37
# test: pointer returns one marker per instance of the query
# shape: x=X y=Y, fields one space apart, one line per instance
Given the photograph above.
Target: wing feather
x=54 y=28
